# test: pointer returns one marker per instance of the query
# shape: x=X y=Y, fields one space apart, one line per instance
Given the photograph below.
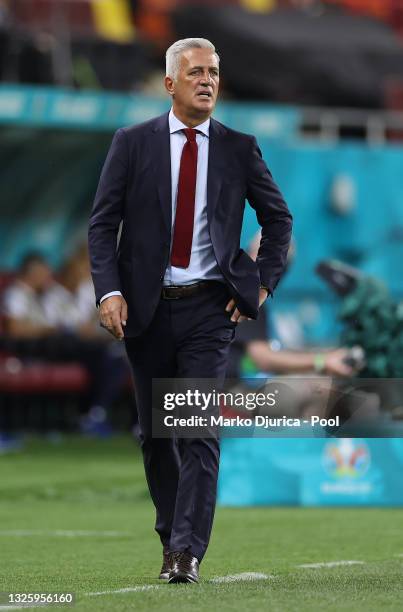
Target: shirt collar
x=175 y=125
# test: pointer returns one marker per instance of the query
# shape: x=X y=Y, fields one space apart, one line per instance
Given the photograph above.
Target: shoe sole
x=180 y=579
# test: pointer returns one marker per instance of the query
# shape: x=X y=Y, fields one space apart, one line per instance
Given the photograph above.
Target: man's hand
x=113 y=315
x=236 y=316
x=334 y=363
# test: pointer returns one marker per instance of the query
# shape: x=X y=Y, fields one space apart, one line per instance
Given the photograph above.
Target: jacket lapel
x=161 y=157
x=216 y=167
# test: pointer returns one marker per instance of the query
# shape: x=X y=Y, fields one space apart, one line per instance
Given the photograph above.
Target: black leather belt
x=176 y=292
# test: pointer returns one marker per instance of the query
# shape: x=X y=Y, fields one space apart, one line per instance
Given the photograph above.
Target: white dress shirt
x=203 y=264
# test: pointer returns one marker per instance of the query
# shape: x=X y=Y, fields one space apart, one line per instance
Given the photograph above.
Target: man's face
x=195 y=88
x=39 y=276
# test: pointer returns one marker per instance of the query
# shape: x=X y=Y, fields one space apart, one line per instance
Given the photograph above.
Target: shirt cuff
x=109 y=295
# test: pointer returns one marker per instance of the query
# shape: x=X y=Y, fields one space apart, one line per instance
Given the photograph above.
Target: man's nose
x=206 y=79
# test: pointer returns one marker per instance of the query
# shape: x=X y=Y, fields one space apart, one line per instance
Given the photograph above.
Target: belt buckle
x=168 y=297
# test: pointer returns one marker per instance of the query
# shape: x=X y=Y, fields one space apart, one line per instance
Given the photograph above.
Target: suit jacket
x=135 y=189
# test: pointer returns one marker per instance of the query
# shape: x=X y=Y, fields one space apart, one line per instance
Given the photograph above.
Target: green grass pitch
x=76 y=517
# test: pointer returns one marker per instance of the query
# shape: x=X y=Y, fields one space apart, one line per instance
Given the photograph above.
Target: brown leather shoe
x=167 y=565
x=185 y=568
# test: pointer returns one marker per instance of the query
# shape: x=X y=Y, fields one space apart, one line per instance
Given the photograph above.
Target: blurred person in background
x=178 y=284
x=36 y=306
x=312 y=379
x=252 y=341
x=49 y=320
x=70 y=305
x=70 y=301
x=24 y=308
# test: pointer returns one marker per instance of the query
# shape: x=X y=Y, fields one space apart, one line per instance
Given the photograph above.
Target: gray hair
x=175 y=51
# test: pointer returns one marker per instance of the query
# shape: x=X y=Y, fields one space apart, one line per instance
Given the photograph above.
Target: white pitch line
x=25 y=606
x=245 y=576
x=330 y=564
x=16 y=607
x=145 y=587
x=63 y=533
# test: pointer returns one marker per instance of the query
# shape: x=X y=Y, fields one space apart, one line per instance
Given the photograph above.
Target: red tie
x=185 y=203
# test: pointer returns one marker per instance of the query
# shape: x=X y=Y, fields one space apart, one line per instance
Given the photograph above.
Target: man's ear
x=169 y=85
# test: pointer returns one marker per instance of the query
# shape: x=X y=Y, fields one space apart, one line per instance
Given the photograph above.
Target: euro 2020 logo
x=346 y=458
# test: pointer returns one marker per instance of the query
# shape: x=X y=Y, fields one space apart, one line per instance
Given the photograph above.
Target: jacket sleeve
x=106 y=215
x=273 y=216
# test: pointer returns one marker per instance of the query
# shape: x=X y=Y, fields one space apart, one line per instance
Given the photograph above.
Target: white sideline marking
x=25 y=606
x=66 y=533
x=245 y=576
x=330 y=564
x=21 y=607
x=145 y=587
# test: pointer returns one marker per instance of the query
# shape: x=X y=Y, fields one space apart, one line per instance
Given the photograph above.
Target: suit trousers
x=188 y=338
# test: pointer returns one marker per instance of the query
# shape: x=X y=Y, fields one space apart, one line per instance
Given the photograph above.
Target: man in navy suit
x=176 y=283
